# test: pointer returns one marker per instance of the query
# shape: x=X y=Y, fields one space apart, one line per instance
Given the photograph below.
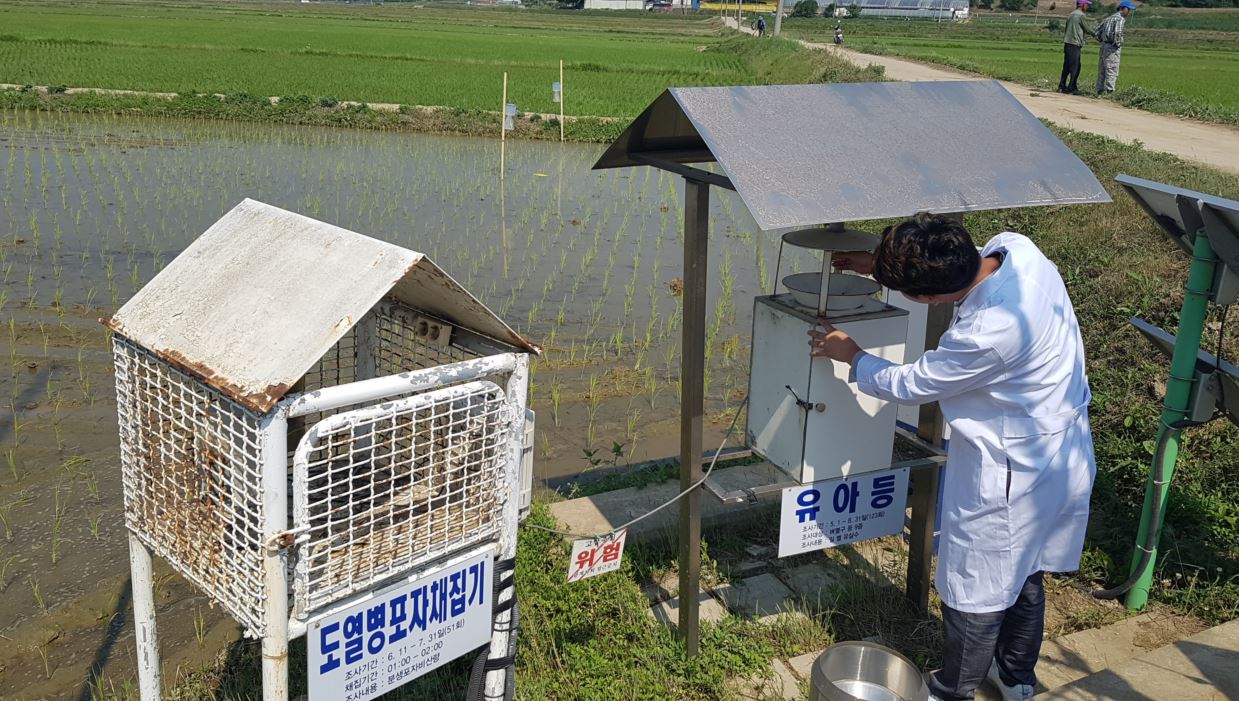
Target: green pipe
x=1174 y=409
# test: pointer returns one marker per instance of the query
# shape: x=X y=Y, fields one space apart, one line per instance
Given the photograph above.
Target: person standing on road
x=1073 y=41
x=761 y=25
x=1110 y=36
x=1009 y=377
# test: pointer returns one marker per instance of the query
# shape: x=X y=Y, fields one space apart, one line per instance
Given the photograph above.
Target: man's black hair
x=926 y=255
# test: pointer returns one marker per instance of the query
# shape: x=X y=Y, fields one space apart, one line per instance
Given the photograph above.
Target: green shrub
x=327 y=102
x=805 y=8
x=57 y=89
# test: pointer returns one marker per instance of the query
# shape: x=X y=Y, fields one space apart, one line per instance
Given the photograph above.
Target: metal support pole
x=692 y=404
x=517 y=391
x=142 y=582
x=562 y=97
x=1175 y=406
x=503 y=126
x=924 y=483
x=275 y=580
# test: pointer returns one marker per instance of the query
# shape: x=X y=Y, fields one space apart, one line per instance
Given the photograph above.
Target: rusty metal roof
x=253 y=303
x=801 y=155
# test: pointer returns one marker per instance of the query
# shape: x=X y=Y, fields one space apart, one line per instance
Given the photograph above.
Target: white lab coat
x=1009 y=377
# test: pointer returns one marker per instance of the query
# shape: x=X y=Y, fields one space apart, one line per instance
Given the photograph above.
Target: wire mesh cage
x=306 y=416
x=382 y=489
x=378 y=487
x=191 y=465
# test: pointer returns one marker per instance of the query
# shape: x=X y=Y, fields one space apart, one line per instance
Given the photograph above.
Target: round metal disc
x=822 y=239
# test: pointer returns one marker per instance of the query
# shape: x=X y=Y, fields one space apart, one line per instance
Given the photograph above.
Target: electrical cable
x=713 y=461
x=1153 y=534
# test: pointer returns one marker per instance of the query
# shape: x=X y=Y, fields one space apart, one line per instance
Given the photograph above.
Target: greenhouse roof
x=801 y=155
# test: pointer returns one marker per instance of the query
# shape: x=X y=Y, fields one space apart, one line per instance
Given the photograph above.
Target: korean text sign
x=833 y=512
x=402 y=633
x=594 y=556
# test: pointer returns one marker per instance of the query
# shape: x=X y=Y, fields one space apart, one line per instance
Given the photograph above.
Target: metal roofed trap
x=817 y=157
x=280 y=360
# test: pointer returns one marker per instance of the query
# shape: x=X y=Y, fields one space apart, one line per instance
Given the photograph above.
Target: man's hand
x=856 y=261
x=829 y=342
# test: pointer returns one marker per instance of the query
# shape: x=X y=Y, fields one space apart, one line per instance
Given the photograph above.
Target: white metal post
x=275 y=578
x=142 y=583
x=517 y=390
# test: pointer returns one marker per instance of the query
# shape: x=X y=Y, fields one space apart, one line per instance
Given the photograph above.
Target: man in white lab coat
x=1009 y=377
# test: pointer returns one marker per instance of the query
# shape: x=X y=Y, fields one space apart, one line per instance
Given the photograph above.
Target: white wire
x=611 y=533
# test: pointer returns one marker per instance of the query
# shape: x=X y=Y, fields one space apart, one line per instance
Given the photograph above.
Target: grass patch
x=1167 y=70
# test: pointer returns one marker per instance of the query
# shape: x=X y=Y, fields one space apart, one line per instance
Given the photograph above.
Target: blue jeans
x=1013 y=637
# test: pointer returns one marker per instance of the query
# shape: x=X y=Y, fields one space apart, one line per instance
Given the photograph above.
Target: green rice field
x=394 y=54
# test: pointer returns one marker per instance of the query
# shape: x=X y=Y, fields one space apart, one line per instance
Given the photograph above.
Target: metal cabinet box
x=841 y=432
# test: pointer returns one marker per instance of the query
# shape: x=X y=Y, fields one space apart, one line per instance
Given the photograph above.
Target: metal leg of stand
x=924 y=483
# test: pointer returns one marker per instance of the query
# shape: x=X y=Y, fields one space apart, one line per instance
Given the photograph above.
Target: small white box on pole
x=557 y=91
x=509 y=116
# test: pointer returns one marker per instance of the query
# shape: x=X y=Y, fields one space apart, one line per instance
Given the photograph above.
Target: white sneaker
x=1016 y=692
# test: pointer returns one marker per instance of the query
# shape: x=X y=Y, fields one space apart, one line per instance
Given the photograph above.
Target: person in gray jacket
x=1110 y=36
x=1073 y=41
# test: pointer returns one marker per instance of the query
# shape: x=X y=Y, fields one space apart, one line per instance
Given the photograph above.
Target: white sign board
x=833 y=512
x=405 y=631
x=595 y=556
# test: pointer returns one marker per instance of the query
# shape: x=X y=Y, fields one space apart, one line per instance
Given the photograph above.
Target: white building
x=916 y=9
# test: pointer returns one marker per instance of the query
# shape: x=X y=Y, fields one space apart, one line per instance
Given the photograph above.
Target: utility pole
x=778 y=17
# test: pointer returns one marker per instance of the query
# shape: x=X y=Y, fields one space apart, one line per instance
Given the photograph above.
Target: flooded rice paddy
x=91 y=207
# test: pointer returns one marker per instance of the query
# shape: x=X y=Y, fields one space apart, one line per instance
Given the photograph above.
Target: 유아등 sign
x=595 y=556
x=401 y=633
x=846 y=510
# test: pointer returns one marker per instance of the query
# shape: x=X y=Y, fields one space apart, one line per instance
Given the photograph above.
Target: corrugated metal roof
x=800 y=155
x=253 y=303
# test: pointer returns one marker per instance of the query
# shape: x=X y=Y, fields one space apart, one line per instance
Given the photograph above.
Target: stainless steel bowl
x=860 y=671
x=846 y=291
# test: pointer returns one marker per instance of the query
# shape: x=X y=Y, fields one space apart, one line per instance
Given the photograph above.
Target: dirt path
x=1214 y=145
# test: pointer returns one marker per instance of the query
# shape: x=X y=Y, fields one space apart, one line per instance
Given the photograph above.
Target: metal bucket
x=859 y=671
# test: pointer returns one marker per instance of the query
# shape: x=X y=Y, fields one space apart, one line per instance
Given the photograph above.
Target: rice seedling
x=5 y=563
x=199 y=626
x=38 y=595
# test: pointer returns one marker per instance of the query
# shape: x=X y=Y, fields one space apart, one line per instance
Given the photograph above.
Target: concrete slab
x=750 y=568
x=662 y=588
x=814 y=583
x=709 y=610
x=763 y=596
x=780 y=683
x=1080 y=654
x=1203 y=667
x=603 y=512
x=803 y=664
